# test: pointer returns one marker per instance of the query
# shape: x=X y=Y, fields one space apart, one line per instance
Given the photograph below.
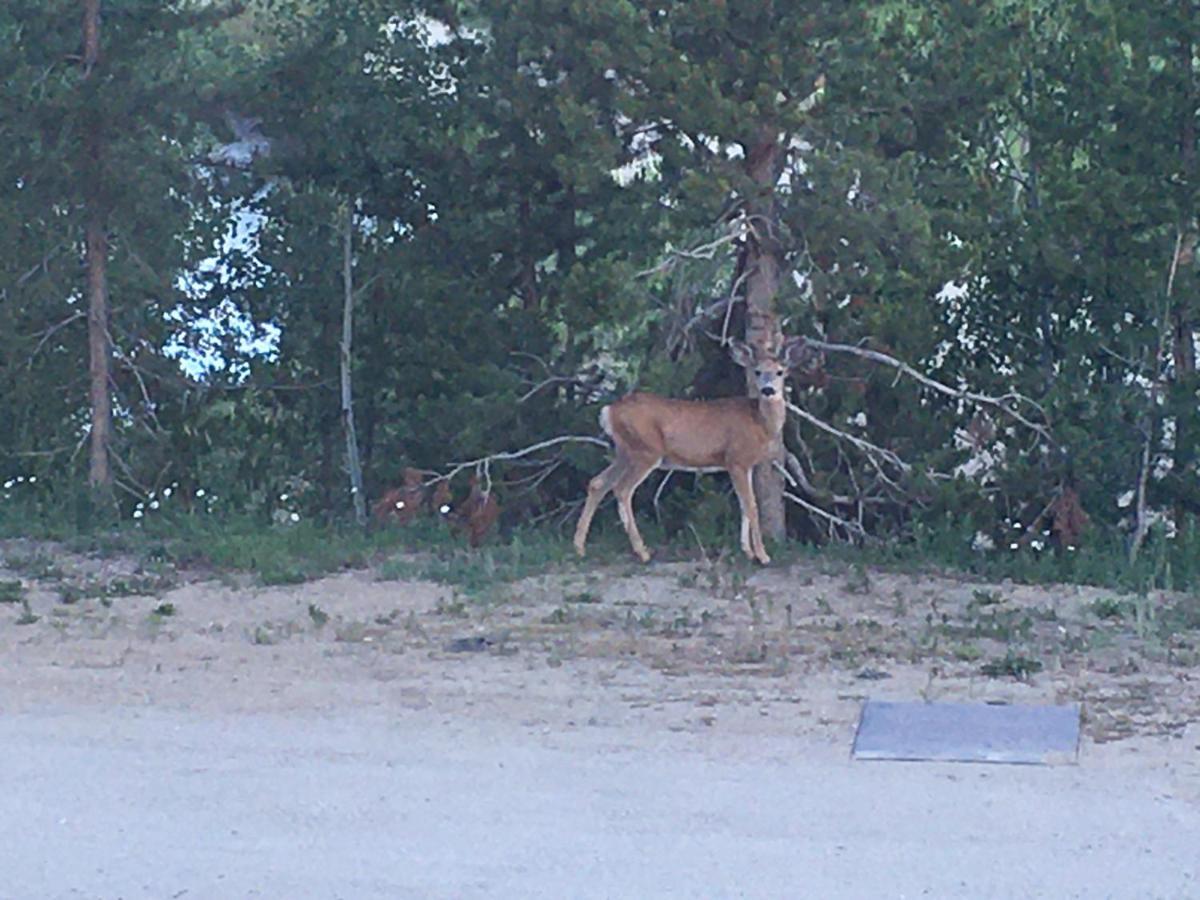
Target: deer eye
x=779 y=373
x=758 y=371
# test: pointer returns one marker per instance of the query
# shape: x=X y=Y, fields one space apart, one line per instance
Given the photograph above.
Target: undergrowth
x=295 y=552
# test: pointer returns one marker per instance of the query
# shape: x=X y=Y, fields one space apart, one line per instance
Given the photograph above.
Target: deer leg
x=597 y=488
x=638 y=471
x=752 y=543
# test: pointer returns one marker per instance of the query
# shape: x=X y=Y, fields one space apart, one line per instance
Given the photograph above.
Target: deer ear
x=797 y=353
x=741 y=354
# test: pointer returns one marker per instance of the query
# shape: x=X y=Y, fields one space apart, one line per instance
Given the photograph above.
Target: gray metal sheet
x=968 y=732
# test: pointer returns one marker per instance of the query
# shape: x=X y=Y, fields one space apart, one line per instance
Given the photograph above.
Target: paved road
x=157 y=804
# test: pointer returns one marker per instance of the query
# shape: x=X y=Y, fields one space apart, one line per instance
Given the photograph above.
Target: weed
x=966 y=652
x=27 y=617
x=986 y=598
x=582 y=597
x=1013 y=665
x=476 y=571
x=454 y=608
x=859 y=580
x=37 y=565
x=163 y=610
x=319 y=616
x=11 y=592
x=1107 y=608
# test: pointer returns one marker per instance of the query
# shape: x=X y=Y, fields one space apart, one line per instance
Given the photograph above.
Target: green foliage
x=515 y=170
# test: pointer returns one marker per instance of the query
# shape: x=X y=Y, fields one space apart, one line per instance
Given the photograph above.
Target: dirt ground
x=785 y=647
x=682 y=653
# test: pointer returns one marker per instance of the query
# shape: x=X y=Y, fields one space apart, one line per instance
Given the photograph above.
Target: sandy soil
x=725 y=671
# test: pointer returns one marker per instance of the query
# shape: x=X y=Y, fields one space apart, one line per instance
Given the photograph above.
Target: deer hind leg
x=637 y=472
x=752 y=542
x=598 y=487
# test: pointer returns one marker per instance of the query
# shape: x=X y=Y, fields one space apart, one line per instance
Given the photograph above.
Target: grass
x=1102 y=559
x=289 y=554
x=476 y=571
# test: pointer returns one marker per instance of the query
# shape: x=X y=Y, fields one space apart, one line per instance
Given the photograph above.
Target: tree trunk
x=763 y=267
x=1184 y=309
x=96 y=263
x=353 y=463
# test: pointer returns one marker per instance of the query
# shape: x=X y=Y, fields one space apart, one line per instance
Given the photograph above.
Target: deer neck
x=773 y=413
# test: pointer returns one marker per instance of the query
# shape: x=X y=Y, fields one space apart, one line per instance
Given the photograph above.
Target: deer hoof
x=643 y=555
x=580 y=551
x=764 y=559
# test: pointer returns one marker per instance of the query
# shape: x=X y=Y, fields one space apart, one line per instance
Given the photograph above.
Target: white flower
x=1125 y=499
x=982 y=541
x=444 y=508
x=137 y=513
x=154 y=504
x=295 y=517
x=200 y=493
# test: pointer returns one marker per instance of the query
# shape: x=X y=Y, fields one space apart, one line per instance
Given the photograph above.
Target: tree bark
x=96 y=265
x=762 y=265
x=353 y=462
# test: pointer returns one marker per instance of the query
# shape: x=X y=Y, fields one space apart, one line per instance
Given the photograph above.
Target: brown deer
x=732 y=435
x=477 y=514
x=403 y=505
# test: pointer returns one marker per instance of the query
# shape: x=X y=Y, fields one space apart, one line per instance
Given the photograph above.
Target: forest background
x=260 y=257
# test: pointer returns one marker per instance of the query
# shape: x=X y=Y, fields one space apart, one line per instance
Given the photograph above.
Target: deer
x=733 y=435
x=405 y=504
x=476 y=515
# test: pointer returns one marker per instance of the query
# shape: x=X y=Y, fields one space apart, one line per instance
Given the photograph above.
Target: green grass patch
x=476 y=571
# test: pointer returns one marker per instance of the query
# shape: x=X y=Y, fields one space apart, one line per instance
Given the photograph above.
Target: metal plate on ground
x=968 y=732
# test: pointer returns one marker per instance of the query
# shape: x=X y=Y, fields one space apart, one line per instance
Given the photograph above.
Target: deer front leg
x=752 y=543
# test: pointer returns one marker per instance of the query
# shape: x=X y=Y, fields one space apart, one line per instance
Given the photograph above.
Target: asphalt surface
x=127 y=803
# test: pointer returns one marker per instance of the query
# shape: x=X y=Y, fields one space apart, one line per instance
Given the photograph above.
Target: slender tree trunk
x=1184 y=344
x=96 y=263
x=1184 y=309
x=763 y=268
x=353 y=462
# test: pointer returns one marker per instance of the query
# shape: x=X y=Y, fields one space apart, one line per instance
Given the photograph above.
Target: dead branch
x=853 y=528
x=1006 y=403
x=704 y=251
x=873 y=452
x=483 y=463
x=50 y=332
x=1142 y=528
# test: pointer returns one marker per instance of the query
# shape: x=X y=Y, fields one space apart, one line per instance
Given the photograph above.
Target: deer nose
x=768 y=391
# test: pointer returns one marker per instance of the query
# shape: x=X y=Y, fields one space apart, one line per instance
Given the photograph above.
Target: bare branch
x=853 y=528
x=873 y=451
x=1005 y=403
x=51 y=331
x=704 y=251
x=484 y=462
